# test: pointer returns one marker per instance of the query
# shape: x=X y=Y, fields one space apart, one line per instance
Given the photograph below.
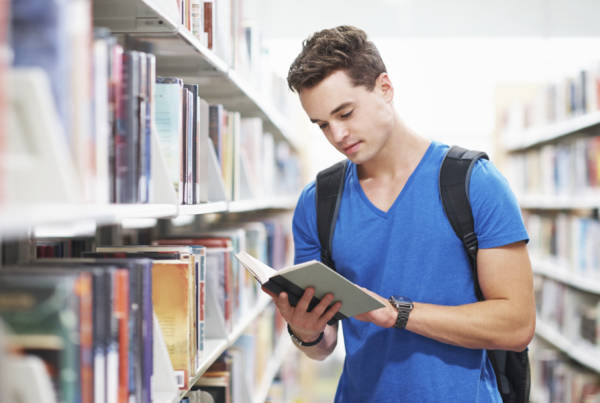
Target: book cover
x=171 y=305
x=200 y=290
x=169 y=126
x=295 y=279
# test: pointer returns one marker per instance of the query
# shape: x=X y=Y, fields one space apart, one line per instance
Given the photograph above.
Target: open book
x=295 y=279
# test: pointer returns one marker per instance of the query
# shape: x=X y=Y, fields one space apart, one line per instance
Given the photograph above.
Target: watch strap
x=404 y=307
x=302 y=343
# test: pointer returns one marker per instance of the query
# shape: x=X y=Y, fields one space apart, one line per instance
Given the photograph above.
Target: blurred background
x=128 y=124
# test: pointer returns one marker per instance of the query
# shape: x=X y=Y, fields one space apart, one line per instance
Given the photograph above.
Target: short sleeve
x=496 y=212
x=304 y=227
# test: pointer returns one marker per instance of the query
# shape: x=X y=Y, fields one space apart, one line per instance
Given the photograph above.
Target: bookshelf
x=548 y=139
x=283 y=347
x=62 y=207
x=215 y=347
x=580 y=352
x=560 y=272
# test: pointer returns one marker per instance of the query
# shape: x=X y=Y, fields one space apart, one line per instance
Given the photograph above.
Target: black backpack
x=511 y=368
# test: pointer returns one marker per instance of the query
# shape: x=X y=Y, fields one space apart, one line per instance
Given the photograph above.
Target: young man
x=392 y=237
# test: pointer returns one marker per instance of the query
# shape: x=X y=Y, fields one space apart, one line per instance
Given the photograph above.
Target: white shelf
x=533 y=137
x=205 y=208
x=18 y=220
x=284 y=345
x=583 y=353
x=274 y=203
x=118 y=212
x=558 y=272
x=549 y=202
x=216 y=347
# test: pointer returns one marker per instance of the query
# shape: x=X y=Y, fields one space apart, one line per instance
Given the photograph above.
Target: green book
x=295 y=279
x=41 y=311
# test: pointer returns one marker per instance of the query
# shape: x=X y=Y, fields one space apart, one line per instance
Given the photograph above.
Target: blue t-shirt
x=411 y=250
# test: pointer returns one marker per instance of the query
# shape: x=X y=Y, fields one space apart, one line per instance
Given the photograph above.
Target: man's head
x=343 y=48
x=343 y=87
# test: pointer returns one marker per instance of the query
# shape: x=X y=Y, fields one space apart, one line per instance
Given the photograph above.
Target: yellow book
x=172 y=300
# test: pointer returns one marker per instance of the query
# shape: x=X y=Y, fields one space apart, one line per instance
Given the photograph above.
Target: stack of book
x=90 y=321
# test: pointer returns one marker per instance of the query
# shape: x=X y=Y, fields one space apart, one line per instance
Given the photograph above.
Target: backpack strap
x=455 y=176
x=329 y=189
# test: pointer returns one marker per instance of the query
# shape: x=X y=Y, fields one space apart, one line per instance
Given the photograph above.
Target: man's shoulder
x=307 y=196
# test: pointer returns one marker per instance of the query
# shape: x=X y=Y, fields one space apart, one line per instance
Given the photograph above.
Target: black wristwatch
x=404 y=306
x=299 y=341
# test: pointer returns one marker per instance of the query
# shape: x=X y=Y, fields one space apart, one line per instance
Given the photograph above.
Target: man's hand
x=384 y=317
x=306 y=325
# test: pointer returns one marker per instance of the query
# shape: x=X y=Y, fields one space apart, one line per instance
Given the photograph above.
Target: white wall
x=445 y=86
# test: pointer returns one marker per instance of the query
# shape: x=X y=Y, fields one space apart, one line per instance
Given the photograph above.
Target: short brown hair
x=341 y=48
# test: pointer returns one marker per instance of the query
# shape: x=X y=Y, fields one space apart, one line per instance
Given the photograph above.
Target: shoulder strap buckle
x=471 y=244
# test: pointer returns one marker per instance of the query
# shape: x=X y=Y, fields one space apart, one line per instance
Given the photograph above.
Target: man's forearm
x=325 y=347
x=491 y=324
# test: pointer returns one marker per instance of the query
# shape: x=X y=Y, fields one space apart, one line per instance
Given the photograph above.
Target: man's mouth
x=352 y=148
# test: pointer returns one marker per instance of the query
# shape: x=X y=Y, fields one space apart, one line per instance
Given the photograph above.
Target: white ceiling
x=432 y=18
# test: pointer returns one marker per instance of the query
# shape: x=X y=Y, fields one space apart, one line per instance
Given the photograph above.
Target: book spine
x=208 y=22
x=149 y=115
x=142 y=152
x=122 y=310
x=116 y=114
x=147 y=335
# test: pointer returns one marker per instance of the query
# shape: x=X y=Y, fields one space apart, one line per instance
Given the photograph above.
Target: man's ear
x=383 y=84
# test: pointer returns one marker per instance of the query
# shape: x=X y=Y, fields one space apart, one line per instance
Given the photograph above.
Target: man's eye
x=347 y=114
x=323 y=126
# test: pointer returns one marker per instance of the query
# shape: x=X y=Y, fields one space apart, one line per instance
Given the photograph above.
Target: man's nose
x=339 y=132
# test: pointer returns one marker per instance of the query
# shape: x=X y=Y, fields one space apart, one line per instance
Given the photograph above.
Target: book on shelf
x=218 y=281
x=50 y=317
x=295 y=279
x=169 y=127
x=176 y=271
x=134 y=363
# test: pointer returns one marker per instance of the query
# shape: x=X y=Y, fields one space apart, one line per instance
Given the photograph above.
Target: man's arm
x=504 y=321
x=307 y=326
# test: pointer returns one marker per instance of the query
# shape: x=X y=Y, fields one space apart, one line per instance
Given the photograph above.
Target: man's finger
x=302 y=305
x=322 y=306
x=327 y=316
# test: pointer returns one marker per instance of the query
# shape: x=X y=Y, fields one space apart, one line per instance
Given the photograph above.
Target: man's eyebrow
x=333 y=112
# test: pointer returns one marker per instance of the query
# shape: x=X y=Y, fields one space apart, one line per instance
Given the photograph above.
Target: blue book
x=39 y=38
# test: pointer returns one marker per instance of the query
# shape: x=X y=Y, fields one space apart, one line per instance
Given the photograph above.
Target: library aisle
x=144 y=143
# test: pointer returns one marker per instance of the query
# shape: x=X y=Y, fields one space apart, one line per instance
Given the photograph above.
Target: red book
x=122 y=315
x=83 y=289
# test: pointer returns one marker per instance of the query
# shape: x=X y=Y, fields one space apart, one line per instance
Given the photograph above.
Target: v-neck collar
x=369 y=203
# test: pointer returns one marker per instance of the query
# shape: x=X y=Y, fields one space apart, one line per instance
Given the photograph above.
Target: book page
x=258 y=269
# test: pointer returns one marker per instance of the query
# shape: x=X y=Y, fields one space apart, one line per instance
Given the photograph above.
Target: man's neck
x=398 y=158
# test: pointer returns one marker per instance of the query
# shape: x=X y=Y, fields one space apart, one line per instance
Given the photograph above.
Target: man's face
x=356 y=121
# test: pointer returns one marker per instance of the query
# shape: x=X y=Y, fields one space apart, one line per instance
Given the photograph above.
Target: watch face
x=403 y=300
